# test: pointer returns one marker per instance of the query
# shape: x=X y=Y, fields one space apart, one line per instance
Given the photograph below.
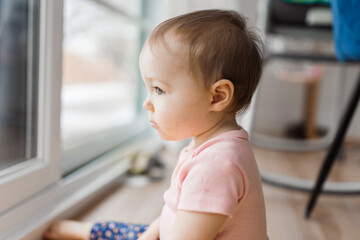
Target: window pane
x=100 y=59
x=18 y=81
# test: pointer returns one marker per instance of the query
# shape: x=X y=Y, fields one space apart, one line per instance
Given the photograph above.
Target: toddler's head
x=214 y=45
x=199 y=69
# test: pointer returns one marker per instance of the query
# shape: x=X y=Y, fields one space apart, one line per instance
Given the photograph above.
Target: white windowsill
x=69 y=195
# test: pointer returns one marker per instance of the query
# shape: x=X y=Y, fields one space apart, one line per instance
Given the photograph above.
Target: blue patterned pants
x=116 y=231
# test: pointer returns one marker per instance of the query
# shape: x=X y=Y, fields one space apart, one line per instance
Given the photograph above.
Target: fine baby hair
x=219 y=45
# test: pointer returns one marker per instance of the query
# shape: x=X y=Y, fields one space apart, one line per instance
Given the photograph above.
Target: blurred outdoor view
x=100 y=59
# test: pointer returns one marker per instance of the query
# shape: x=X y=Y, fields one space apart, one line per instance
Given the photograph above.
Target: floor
x=334 y=217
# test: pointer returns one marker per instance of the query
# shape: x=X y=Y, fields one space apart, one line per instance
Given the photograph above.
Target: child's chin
x=166 y=137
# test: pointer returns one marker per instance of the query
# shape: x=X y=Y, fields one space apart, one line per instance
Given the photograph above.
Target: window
x=100 y=97
x=29 y=149
x=89 y=73
x=19 y=82
x=100 y=54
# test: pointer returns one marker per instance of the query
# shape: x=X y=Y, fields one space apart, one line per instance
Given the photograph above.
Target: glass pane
x=100 y=61
x=18 y=81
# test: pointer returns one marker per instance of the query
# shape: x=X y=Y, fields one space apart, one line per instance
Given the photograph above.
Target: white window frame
x=25 y=179
x=49 y=195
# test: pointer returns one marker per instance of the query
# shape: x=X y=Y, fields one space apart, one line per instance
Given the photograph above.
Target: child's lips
x=153 y=124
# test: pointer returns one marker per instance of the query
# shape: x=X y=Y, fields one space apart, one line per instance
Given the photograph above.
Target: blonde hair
x=219 y=46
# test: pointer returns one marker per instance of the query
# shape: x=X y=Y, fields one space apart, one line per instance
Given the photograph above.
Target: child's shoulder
x=228 y=150
x=226 y=143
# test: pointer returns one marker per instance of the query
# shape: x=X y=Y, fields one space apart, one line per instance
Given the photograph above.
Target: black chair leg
x=334 y=148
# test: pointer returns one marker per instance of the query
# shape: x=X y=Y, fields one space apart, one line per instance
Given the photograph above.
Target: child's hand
x=148 y=236
x=66 y=230
x=152 y=233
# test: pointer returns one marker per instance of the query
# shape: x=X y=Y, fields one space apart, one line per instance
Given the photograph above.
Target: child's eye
x=159 y=91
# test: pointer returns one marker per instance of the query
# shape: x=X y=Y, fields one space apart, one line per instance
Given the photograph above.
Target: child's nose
x=148 y=105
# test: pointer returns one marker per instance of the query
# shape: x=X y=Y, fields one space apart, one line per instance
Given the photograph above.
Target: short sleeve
x=212 y=184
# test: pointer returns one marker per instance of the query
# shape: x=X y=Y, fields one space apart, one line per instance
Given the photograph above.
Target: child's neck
x=225 y=124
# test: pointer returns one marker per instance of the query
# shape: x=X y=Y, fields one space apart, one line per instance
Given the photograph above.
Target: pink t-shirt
x=221 y=176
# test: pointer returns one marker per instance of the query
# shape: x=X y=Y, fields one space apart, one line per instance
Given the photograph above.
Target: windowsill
x=71 y=194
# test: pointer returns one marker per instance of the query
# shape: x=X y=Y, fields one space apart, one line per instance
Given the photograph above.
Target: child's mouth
x=154 y=124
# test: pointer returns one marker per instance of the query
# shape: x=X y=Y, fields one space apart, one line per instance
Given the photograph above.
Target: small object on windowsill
x=156 y=168
x=146 y=168
x=140 y=163
x=137 y=181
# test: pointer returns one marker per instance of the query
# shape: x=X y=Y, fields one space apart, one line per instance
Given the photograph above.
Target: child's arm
x=153 y=232
x=195 y=225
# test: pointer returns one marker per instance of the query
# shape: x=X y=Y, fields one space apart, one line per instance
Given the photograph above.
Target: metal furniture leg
x=334 y=148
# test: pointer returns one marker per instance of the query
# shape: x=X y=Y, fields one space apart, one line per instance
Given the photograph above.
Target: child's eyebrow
x=151 y=79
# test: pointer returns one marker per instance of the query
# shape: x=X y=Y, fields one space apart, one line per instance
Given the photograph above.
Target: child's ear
x=222 y=93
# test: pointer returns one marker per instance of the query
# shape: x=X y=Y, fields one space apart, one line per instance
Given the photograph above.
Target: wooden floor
x=334 y=217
